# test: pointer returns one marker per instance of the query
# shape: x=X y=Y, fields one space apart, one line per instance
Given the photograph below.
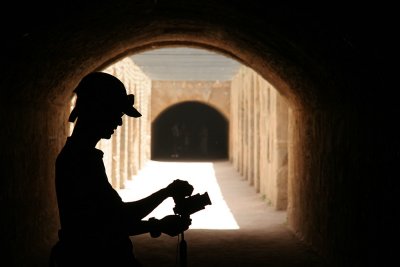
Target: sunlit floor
x=205 y=177
x=199 y=174
x=237 y=229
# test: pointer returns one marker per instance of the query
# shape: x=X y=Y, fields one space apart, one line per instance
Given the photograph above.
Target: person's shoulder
x=64 y=152
x=75 y=151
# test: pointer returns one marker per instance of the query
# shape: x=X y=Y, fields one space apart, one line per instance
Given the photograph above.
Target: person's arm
x=137 y=210
x=143 y=227
x=171 y=225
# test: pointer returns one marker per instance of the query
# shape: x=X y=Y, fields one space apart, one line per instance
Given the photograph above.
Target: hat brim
x=129 y=109
x=126 y=107
x=132 y=112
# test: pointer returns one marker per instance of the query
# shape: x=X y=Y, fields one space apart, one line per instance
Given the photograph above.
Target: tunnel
x=190 y=131
x=333 y=64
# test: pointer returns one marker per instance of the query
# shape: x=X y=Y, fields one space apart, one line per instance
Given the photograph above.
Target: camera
x=185 y=206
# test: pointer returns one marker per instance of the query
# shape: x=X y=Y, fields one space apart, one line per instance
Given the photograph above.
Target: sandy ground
x=237 y=229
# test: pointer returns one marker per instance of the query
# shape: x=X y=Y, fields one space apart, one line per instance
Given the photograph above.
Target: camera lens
x=192 y=204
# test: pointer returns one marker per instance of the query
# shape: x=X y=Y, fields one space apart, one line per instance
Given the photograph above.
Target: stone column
x=260 y=136
x=130 y=147
x=257 y=135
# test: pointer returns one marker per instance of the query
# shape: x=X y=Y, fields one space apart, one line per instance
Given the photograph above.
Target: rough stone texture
x=29 y=208
x=168 y=93
x=258 y=135
x=334 y=66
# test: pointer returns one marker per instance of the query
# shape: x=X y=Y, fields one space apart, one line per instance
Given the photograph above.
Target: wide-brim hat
x=103 y=91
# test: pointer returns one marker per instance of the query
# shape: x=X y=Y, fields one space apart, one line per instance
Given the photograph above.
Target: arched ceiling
x=305 y=53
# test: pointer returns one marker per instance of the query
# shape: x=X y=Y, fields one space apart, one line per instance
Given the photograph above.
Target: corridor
x=237 y=229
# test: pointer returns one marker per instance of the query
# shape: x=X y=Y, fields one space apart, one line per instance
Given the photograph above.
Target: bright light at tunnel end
x=156 y=175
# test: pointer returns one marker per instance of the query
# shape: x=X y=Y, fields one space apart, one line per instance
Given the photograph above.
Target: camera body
x=185 y=206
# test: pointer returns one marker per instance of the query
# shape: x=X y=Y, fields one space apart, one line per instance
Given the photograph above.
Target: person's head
x=101 y=102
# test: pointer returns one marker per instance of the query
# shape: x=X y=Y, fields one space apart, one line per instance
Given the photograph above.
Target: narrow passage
x=238 y=229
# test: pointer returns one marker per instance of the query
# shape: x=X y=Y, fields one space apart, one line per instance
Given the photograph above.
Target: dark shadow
x=96 y=224
x=189 y=131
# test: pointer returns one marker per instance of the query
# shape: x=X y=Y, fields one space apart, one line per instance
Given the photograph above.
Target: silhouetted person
x=95 y=222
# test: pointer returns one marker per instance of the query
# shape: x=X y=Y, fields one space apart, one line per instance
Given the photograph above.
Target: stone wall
x=258 y=135
x=168 y=93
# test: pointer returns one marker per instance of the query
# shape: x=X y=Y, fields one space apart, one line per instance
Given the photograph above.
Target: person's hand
x=179 y=189
x=173 y=225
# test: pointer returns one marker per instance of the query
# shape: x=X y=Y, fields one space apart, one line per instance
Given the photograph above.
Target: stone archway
x=190 y=130
x=328 y=68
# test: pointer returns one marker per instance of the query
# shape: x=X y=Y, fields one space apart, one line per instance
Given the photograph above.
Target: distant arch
x=190 y=131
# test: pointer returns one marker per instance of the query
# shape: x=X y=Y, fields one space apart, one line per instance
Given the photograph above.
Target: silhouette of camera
x=185 y=206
